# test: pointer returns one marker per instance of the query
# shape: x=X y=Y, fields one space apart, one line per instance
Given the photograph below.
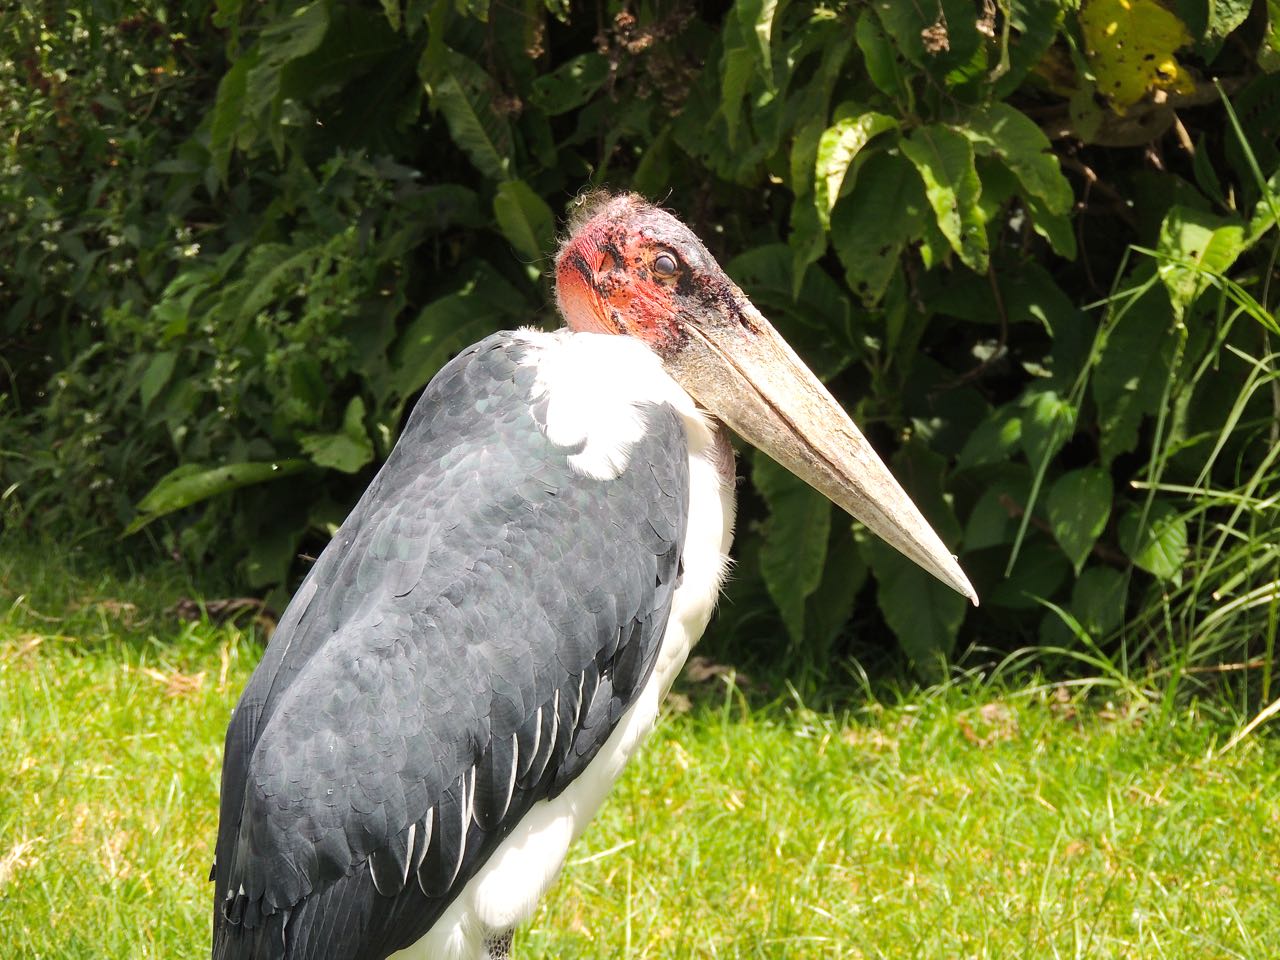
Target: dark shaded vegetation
x=1031 y=248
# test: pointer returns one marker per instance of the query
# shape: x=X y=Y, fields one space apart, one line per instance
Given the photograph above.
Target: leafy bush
x=93 y=102
x=1029 y=244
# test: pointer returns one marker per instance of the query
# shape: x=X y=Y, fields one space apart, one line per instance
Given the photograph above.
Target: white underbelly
x=506 y=890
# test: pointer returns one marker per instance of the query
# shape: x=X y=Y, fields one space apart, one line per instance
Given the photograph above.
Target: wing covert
x=461 y=650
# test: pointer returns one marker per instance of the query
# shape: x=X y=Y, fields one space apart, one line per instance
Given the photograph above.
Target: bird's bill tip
x=743 y=372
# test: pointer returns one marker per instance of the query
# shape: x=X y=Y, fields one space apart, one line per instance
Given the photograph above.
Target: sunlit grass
x=977 y=823
x=972 y=820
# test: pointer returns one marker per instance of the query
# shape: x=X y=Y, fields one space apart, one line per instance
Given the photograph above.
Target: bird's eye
x=664 y=265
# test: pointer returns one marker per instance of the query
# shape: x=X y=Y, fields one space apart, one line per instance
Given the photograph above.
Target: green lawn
x=961 y=821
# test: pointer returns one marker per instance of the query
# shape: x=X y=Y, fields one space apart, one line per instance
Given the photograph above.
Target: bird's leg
x=499 y=947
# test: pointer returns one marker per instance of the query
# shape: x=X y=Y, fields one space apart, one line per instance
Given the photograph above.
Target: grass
x=972 y=819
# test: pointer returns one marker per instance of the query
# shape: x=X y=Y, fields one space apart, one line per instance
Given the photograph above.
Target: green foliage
x=794 y=551
x=1155 y=539
x=1132 y=47
x=1079 y=505
x=192 y=483
x=733 y=833
x=1015 y=251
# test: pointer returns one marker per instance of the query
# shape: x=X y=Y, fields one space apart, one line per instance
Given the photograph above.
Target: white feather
x=596 y=387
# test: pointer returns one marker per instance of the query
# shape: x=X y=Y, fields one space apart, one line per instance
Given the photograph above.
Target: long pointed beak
x=743 y=372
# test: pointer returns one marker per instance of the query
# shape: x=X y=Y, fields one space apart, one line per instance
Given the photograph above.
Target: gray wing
x=461 y=649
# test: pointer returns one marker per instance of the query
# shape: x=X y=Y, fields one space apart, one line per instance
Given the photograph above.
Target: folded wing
x=460 y=651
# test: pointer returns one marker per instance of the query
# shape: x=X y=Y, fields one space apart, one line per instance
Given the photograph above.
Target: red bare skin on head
x=605 y=277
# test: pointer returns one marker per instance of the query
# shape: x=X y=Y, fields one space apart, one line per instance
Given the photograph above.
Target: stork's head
x=630 y=268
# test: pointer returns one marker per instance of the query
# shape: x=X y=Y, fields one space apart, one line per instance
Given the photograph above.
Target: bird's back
x=460 y=651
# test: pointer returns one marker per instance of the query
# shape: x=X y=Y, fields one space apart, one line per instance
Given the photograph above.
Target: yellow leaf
x=1130 y=45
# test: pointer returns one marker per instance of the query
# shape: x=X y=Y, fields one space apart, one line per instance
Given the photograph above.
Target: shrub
x=1029 y=244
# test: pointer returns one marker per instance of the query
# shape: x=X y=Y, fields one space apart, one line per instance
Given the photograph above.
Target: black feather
x=495 y=783
x=484 y=609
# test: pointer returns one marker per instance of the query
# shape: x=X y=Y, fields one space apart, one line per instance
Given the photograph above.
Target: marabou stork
x=485 y=642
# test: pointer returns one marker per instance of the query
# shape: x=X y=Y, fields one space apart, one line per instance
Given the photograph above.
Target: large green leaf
x=826 y=39
x=525 y=219
x=1130 y=376
x=282 y=42
x=463 y=92
x=1035 y=26
x=795 y=540
x=1158 y=545
x=838 y=146
x=999 y=130
x=808 y=237
x=923 y=613
x=356 y=42
x=757 y=18
x=193 y=482
x=815 y=319
x=295 y=35
x=945 y=160
x=882 y=60
x=994 y=439
x=738 y=68
x=829 y=606
x=481 y=305
x=348 y=450
x=1056 y=228
x=939 y=36
x=571 y=84
x=1194 y=248
x=158 y=371
x=1269 y=50
x=1097 y=606
x=1131 y=48
x=1047 y=423
x=1037 y=574
x=871 y=227
x=1079 y=505
x=993 y=521
x=226 y=12
x=1224 y=17
x=228 y=108
x=904 y=23
x=1097 y=600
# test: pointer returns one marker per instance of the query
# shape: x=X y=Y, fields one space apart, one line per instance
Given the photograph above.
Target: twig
x=1184 y=138
x=995 y=354
x=1230 y=667
x=1094 y=182
x=1090 y=181
x=1107 y=554
x=1266 y=714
